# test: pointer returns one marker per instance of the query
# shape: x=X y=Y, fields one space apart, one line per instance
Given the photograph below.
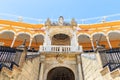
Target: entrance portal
x=60 y=73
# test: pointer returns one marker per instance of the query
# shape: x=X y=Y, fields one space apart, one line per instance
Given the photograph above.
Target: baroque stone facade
x=60 y=56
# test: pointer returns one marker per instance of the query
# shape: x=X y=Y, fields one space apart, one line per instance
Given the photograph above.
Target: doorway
x=60 y=73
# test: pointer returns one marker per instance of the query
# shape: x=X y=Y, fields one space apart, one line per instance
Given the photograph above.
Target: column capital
x=107 y=37
x=15 y=36
x=91 y=38
x=31 y=38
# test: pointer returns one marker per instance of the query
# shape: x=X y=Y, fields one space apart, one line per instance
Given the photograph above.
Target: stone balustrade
x=64 y=49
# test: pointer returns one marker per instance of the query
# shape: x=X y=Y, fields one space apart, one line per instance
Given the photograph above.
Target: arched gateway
x=60 y=73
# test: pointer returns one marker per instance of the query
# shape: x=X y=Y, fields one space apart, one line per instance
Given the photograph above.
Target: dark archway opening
x=60 y=73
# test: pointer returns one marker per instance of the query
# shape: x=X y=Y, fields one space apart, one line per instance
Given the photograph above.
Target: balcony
x=61 y=49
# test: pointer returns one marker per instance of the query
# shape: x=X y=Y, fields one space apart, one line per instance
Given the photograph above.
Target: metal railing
x=64 y=49
x=110 y=58
x=9 y=57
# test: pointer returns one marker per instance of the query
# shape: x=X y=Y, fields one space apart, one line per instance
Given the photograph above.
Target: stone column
x=13 y=41
x=30 y=42
x=80 y=70
x=42 y=58
x=108 y=41
x=92 y=43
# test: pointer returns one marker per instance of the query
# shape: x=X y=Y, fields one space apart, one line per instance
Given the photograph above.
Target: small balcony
x=60 y=49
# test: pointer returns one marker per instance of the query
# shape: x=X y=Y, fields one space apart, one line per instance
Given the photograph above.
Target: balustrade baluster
x=54 y=49
x=65 y=49
x=51 y=48
x=57 y=49
x=60 y=48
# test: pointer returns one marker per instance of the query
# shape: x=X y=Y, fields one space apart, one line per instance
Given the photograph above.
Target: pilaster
x=80 y=71
x=42 y=58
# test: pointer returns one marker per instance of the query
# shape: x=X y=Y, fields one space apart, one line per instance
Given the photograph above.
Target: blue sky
x=43 y=9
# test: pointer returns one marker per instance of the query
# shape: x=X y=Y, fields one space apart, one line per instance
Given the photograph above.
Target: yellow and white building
x=59 y=50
